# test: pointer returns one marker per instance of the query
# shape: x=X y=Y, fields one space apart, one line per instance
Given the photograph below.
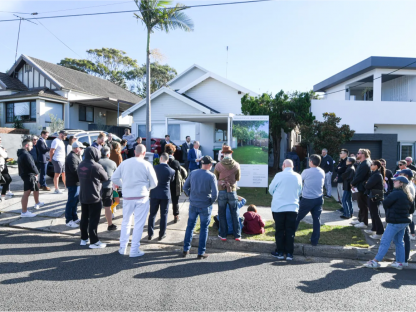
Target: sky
x=273 y=46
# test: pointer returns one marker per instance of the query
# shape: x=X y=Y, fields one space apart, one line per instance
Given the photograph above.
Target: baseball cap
x=77 y=144
x=207 y=160
x=407 y=172
x=401 y=179
x=63 y=132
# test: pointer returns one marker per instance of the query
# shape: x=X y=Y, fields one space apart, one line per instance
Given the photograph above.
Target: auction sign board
x=250 y=136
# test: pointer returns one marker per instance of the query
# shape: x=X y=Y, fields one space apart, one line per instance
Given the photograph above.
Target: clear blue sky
x=289 y=45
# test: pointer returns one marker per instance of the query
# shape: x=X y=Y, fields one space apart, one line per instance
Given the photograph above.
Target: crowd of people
x=94 y=176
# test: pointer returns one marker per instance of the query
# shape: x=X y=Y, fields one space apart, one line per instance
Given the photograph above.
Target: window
x=86 y=113
x=220 y=133
x=174 y=131
x=84 y=139
x=141 y=131
x=406 y=150
x=54 y=109
x=24 y=111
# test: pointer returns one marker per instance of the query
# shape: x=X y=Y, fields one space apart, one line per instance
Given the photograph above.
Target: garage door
x=373 y=146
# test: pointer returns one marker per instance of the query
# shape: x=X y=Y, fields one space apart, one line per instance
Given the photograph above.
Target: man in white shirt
x=57 y=155
x=137 y=177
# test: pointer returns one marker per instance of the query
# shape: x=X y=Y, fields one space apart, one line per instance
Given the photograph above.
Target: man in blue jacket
x=327 y=165
x=42 y=164
x=160 y=196
x=194 y=157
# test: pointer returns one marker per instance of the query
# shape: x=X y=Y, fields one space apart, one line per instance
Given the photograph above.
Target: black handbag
x=377 y=195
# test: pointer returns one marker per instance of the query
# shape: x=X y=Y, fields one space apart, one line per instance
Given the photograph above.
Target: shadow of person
x=202 y=267
x=402 y=278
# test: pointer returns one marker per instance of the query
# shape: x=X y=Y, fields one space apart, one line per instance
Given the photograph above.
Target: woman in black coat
x=347 y=178
x=398 y=206
x=175 y=165
x=375 y=183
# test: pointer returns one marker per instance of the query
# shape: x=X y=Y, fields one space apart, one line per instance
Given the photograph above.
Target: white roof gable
x=188 y=75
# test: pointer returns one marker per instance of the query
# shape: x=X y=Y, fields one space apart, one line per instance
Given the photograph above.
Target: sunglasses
x=402 y=165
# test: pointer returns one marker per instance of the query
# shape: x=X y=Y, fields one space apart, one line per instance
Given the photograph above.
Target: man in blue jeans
x=312 y=196
x=201 y=188
x=72 y=183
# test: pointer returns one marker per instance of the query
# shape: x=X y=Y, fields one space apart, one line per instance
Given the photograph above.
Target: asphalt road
x=43 y=271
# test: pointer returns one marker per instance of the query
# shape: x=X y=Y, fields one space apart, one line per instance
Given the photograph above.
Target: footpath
x=51 y=218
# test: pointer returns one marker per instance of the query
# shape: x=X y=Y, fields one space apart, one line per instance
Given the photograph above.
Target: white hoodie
x=136 y=176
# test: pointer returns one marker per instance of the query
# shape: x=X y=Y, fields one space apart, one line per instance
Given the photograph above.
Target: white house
x=198 y=103
x=33 y=89
x=375 y=98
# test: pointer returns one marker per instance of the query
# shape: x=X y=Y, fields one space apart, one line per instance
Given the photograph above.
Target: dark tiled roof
x=206 y=106
x=79 y=81
x=43 y=92
x=12 y=83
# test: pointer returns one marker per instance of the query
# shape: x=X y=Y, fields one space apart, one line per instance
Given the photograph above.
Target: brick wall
x=14 y=131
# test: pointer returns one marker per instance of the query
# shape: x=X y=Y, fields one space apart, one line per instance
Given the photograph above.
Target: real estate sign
x=250 y=143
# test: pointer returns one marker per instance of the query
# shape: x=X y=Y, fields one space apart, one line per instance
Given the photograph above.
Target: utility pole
x=226 y=66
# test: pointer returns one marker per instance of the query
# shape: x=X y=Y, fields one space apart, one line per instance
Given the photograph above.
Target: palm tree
x=159 y=15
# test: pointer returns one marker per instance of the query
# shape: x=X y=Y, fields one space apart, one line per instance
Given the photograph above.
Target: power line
x=372 y=80
x=132 y=11
x=58 y=39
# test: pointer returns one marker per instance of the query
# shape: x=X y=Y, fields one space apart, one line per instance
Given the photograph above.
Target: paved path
x=51 y=272
x=51 y=217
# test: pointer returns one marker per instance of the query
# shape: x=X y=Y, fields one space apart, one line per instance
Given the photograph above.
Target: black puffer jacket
x=375 y=182
x=398 y=207
x=347 y=177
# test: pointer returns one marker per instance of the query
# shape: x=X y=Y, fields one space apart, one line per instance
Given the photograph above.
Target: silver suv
x=86 y=137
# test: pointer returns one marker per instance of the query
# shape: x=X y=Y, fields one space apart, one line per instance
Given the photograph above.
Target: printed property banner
x=250 y=143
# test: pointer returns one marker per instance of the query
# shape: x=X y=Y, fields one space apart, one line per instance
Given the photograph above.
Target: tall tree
x=159 y=15
x=327 y=134
x=161 y=74
x=285 y=111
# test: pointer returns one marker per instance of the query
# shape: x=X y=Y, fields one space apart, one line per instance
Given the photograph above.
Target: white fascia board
x=3 y=85
x=186 y=71
x=220 y=79
x=35 y=97
x=171 y=93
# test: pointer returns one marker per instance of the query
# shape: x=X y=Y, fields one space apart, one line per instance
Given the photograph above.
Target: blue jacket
x=165 y=175
x=43 y=150
x=240 y=204
x=191 y=158
x=34 y=153
x=286 y=188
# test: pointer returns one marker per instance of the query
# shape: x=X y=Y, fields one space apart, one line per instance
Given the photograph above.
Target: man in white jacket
x=137 y=177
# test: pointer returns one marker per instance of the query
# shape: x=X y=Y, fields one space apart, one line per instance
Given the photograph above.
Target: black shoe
x=340 y=210
x=176 y=219
x=112 y=227
x=149 y=237
x=314 y=245
x=162 y=237
x=278 y=255
x=344 y=217
x=185 y=254
x=289 y=257
x=201 y=257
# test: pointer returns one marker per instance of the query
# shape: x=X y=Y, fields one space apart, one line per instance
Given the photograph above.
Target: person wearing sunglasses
x=362 y=174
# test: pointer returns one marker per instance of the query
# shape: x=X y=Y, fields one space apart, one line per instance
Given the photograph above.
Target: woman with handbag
x=375 y=190
x=5 y=178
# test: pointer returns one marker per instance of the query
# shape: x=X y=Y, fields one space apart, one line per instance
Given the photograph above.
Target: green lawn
x=330 y=235
x=250 y=155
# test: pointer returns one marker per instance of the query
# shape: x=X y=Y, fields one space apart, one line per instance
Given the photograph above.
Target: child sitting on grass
x=240 y=204
x=253 y=224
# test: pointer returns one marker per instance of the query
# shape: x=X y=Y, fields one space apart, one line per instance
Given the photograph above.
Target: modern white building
x=375 y=98
x=33 y=89
x=198 y=103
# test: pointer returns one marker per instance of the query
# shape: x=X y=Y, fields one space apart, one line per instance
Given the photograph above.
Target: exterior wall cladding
x=388 y=146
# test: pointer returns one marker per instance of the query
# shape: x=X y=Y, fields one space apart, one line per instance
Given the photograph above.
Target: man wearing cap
x=201 y=188
x=57 y=157
x=72 y=182
x=228 y=173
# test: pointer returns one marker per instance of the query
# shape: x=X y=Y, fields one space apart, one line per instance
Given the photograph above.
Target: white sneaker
x=58 y=191
x=370 y=232
x=72 y=224
x=139 y=253
x=406 y=264
x=77 y=221
x=9 y=194
x=372 y=264
x=84 y=242
x=98 y=245
x=375 y=236
x=28 y=214
x=396 y=265
x=3 y=198
x=38 y=205
x=361 y=225
x=354 y=222
x=412 y=237
x=122 y=251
